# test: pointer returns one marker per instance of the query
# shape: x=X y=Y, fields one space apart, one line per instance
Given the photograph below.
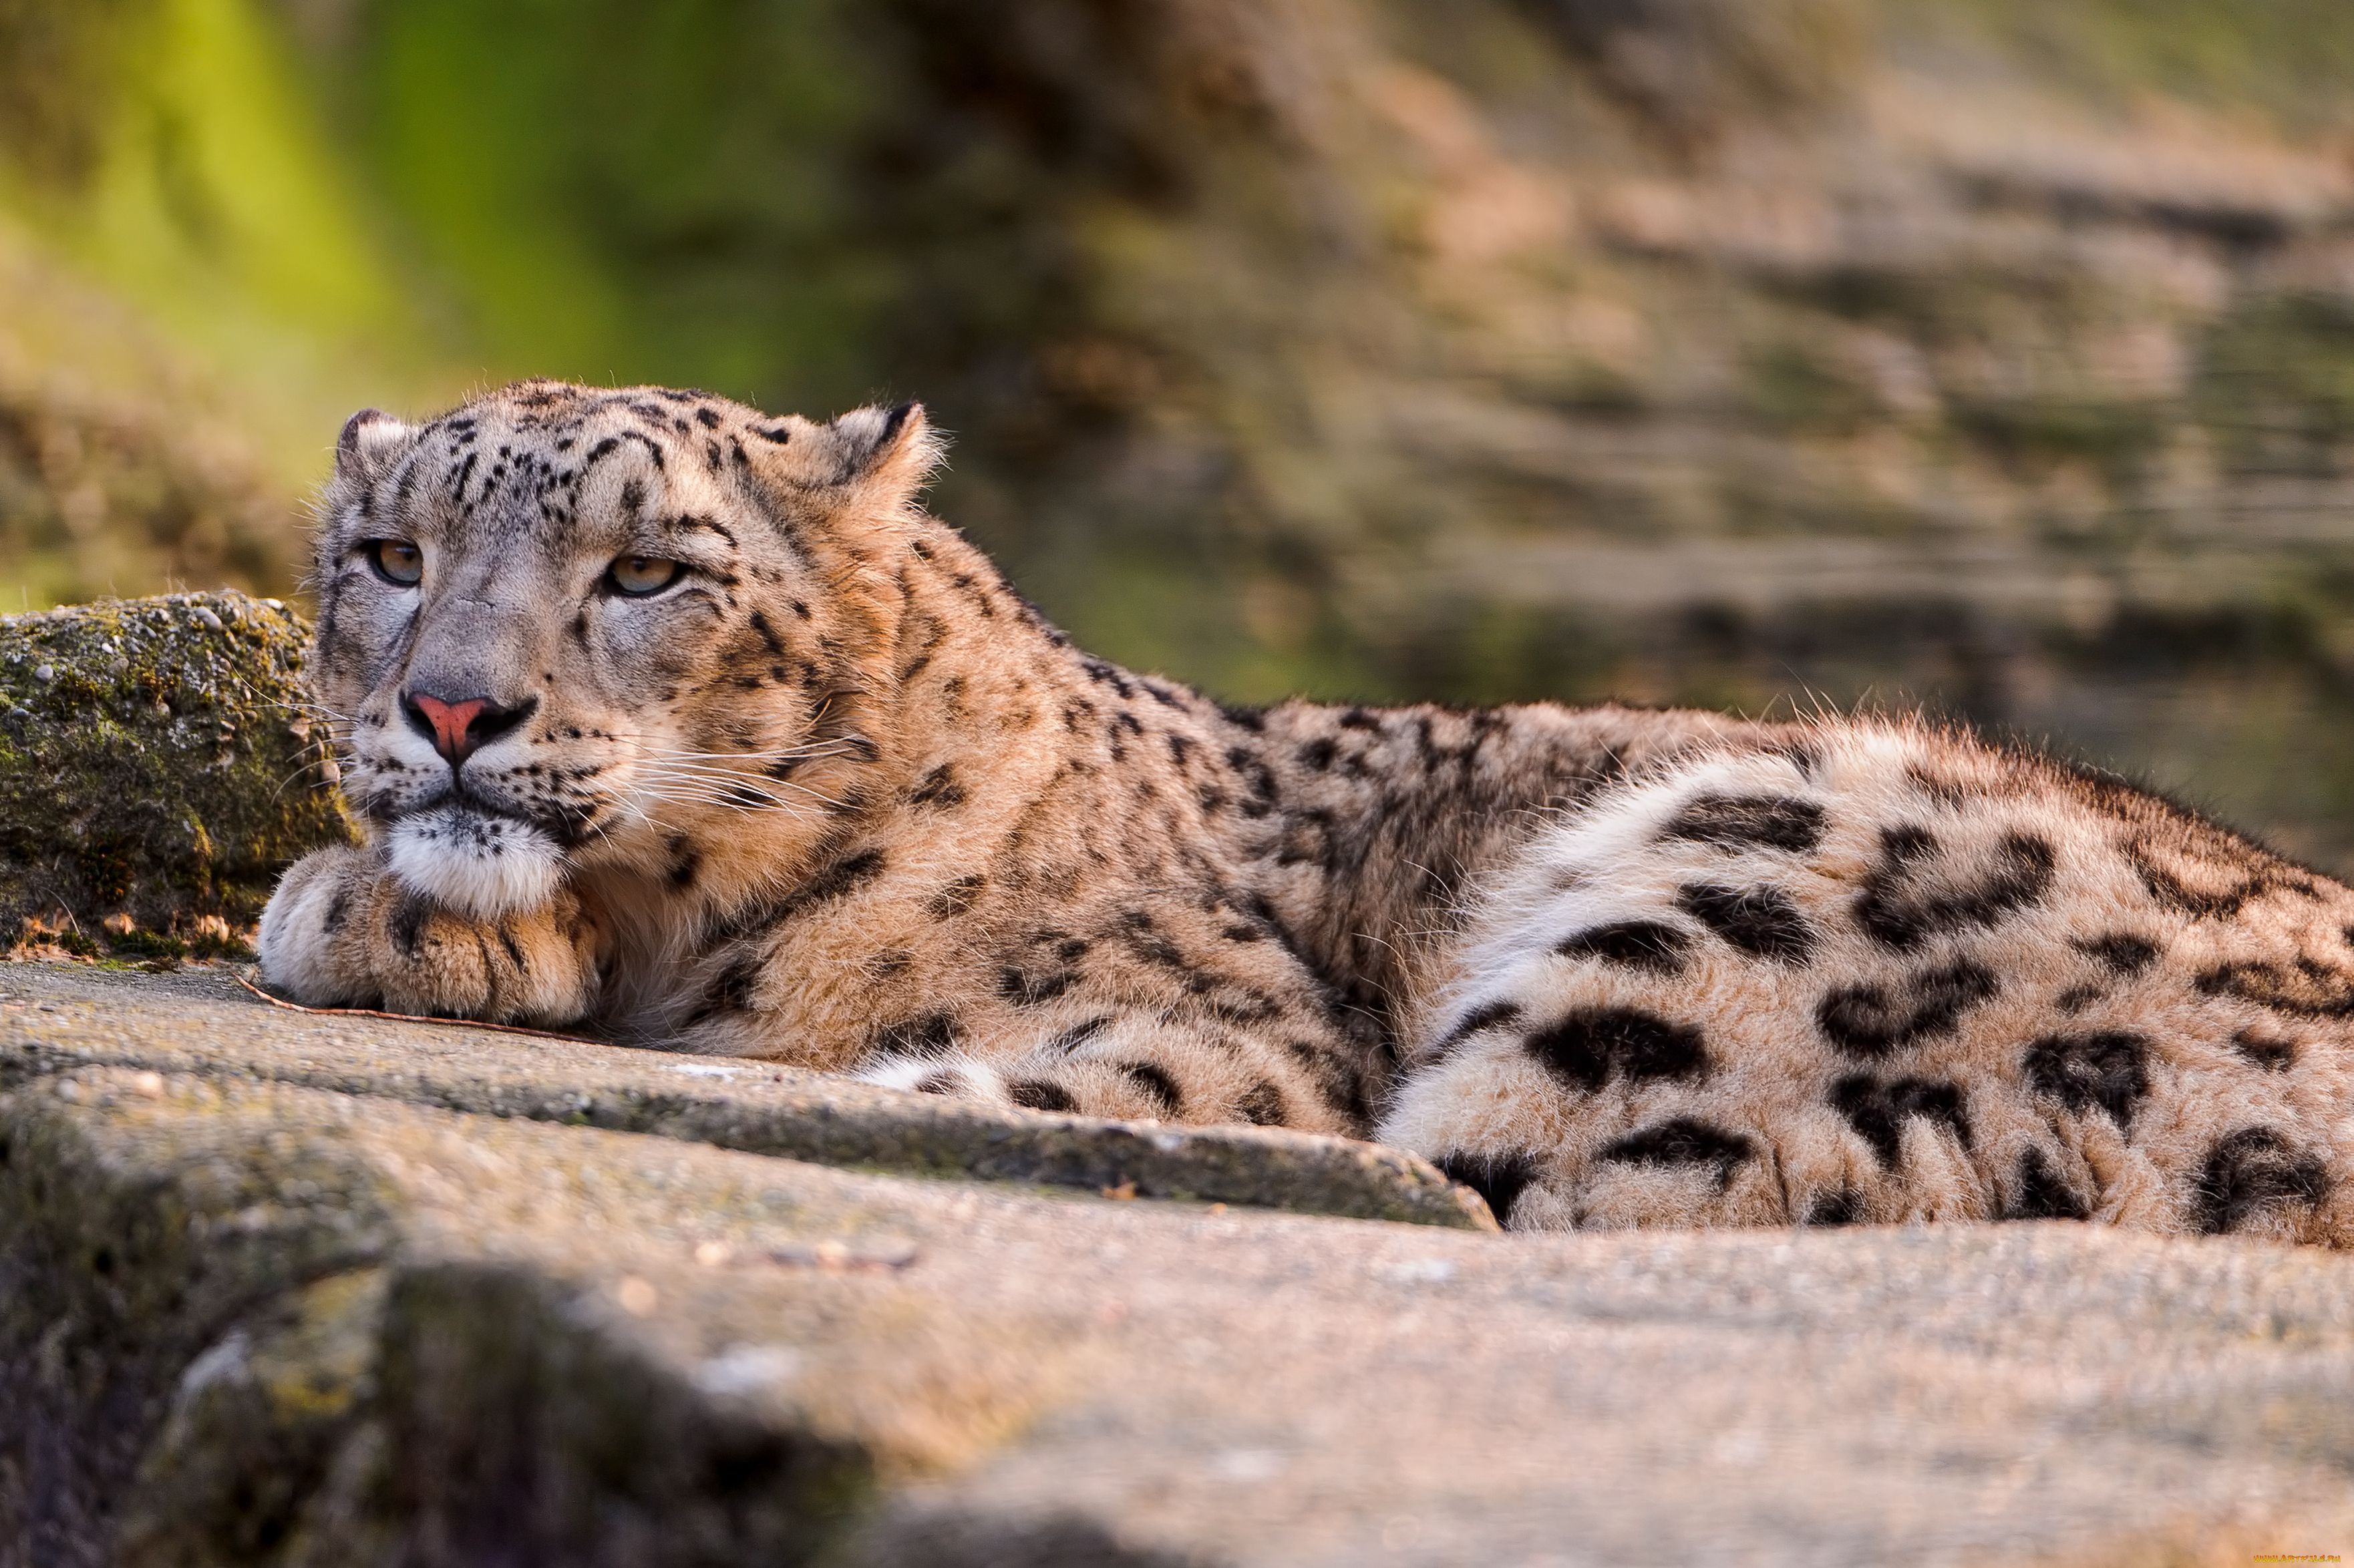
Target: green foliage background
x=1992 y=353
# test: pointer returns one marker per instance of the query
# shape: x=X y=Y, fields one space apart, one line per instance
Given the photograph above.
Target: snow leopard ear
x=872 y=459
x=890 y=451
x=371 y=441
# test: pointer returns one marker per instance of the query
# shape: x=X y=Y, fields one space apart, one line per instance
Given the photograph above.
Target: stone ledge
x=247 y=1321
x=202 y=1022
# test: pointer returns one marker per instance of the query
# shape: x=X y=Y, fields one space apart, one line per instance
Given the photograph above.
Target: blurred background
x=1993 y=354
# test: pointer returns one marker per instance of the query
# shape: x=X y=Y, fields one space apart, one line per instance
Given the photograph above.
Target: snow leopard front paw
x=342 y=931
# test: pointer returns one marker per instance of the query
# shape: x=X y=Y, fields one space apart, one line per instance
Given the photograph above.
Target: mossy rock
x=157 y=771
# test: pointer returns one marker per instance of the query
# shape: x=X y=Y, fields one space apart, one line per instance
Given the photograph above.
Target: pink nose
x=451 y=721
x=459 y=729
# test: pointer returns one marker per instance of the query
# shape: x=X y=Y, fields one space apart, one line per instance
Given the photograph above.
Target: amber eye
x=639 y=576
x=396 y=561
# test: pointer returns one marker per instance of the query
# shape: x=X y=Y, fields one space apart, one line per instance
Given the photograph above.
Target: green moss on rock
x=156 y=772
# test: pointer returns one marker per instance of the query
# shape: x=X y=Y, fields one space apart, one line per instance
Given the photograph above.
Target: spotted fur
x=837 y=795
x=1996 y=989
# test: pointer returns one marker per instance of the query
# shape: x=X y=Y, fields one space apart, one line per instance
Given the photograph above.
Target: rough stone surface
x=156 y=772
x=252 y=1316
x=203 y=1022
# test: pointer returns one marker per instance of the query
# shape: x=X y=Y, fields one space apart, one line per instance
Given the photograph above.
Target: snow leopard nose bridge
x=475 y=653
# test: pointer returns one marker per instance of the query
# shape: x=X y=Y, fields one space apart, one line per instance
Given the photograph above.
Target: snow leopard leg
x=1896 y=975
x=1137 y=1065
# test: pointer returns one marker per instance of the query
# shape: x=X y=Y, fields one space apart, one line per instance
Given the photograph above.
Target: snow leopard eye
x=396 y=561
x=640 y=576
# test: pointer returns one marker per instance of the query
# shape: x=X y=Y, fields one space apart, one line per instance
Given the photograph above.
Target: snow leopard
x=686 y=725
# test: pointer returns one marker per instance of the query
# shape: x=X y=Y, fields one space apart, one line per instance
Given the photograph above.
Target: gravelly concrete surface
x=244 y=1319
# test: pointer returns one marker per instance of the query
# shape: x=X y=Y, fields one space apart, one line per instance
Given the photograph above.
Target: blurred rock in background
x=1989 y=354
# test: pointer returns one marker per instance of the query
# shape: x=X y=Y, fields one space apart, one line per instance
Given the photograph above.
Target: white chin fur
x=474 y=865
